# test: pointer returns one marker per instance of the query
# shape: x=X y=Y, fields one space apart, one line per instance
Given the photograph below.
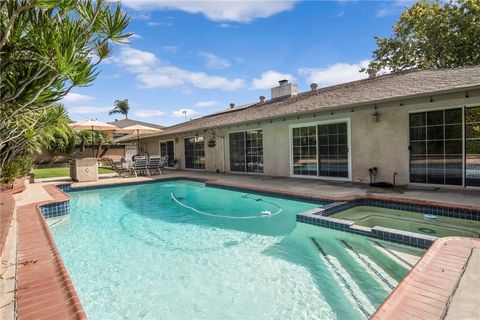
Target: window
x=445 y=147
x=246 y=151
x=167 y=149
x=194 y=153
x=436 y=147
x=472 y=146
x=305 y=151
x=321 y=150
x=333 y=150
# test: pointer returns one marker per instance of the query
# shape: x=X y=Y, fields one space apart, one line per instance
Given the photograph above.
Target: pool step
x=351 y=289
x=375 y=271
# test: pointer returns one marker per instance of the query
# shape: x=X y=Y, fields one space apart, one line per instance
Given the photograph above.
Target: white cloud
x=205 y=103
x=76 y=97
x=394 y=8
x=220 y=10
x=181 y=113
x=226 y=25
x=136 y=36
x=170 y=49
x=213 y=61
x=153 y=74
x=335 y=73
x=90 y=109
x=149 y=113
x=269 y=79
x=163 y=24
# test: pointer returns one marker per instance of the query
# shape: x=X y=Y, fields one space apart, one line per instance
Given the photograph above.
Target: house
x=411 y=127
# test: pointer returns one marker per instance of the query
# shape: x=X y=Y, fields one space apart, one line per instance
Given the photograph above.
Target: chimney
x=314 y=87
x=285 y=89
x=262 y=99
x=232 y=105
x=372 y=73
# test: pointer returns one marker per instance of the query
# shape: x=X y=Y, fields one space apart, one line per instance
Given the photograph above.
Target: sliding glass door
x=321 y=150
x=445 y=147
x=194 y=153
x=472 y=146
x=333 y=150
x=246 y=151
x=167 y=149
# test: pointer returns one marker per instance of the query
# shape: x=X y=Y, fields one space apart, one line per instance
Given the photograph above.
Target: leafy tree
x=121 y=106
x=95 y=138
x=432 y=34
x=48 y=47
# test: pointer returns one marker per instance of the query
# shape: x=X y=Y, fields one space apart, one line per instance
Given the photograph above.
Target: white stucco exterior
x=382 y=144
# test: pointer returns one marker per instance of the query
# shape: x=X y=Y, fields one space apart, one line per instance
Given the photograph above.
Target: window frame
x=160 y=150
x=229 y=156
x=185 y=155
x=442 y=108
x=317 y=123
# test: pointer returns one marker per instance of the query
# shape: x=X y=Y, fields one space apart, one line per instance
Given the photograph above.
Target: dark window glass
x=417 y=119
x=246 y=151
x=435 y=118
x=305 y=150
x=436 y=147
x=453 y=116
x=166 y=149
x=435 y=133
x=194 y=153
x=472 y=146
x=333 y=150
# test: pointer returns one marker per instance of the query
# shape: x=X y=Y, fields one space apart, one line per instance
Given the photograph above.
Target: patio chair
x=154 y=165
x=140 y=165
x=121 y=171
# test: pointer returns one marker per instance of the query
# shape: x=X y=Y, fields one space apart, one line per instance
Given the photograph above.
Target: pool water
x=135 y=253
x=410 y=221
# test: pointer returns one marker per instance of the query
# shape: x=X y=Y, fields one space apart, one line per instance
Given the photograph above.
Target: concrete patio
x=315 y=187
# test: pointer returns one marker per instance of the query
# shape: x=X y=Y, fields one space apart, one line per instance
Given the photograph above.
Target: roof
x=130 y=122
x=390 y=87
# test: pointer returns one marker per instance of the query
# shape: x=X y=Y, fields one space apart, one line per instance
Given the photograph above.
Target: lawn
x=61 y=172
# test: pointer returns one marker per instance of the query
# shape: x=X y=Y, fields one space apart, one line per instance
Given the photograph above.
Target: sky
x=200 y=56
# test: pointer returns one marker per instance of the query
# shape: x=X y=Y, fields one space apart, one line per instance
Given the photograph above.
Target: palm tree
x=121 y=106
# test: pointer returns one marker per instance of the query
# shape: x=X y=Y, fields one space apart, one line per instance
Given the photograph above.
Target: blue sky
x=203 y=55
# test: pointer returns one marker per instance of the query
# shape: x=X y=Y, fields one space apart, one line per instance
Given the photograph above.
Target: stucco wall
x=382 y=144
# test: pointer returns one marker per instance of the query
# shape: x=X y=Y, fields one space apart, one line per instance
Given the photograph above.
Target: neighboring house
x=422 y=127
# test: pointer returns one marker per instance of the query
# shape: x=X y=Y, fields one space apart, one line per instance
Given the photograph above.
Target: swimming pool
x=150 y=252
x=441 y=226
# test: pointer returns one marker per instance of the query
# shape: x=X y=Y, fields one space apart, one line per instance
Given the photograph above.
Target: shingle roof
x=391 y=87
x=130 y=122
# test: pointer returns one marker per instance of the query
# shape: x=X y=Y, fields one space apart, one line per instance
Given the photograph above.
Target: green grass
x=61 y=172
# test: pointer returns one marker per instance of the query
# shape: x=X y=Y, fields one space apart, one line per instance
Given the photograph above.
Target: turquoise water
x=136 y=253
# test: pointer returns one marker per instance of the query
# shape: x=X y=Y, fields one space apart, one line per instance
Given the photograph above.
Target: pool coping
x=44 y=288
x=428 y=288
x=73 y=304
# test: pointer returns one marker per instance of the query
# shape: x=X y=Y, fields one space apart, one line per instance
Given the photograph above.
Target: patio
x=317 y=188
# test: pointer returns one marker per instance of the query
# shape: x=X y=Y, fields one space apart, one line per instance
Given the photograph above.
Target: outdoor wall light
x=376 y=116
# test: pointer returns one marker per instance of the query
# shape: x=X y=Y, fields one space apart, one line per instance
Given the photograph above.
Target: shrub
x=17 y=168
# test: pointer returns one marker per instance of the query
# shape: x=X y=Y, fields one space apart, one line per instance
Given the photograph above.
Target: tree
x=48 y=47
x=121 y=106
x=432 y=34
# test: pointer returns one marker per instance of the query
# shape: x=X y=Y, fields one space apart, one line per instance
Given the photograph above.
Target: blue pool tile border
x=56 y=209
x=451 y=212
